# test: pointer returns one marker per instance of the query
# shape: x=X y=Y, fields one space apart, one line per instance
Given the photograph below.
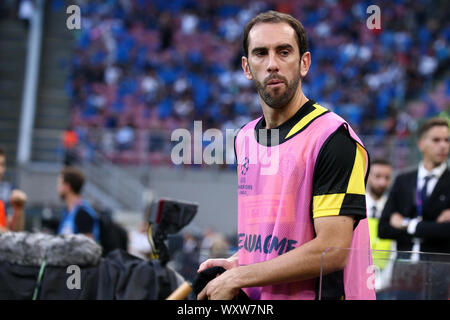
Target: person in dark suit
x=417 y=212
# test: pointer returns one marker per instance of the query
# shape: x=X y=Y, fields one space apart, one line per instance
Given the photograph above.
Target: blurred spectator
x=112 y=235
x=219 y=247
x=189 y=259
x=138 y=243
x=165 y=31
x=125 y=137
x=156 y=141
x=17 y=200
x=206 y=243
x=79 y=217
x=210 y=244
x=417 y=213
x=70 y=143
x=378 y=182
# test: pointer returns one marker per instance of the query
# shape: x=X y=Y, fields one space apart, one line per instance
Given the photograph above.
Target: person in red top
x=17 y=199
x=70 y=141
x=2 y=215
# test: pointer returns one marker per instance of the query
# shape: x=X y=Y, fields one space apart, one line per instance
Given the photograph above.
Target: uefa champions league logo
x=245 y=166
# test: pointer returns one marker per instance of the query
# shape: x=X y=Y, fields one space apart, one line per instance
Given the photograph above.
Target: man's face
x=2 y=166
x=435 y=145
x=273 y=63
x=379 y=178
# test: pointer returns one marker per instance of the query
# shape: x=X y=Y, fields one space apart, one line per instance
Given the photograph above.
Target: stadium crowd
x=141 y=69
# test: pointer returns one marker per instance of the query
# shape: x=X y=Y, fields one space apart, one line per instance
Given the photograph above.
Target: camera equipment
x=168 y=216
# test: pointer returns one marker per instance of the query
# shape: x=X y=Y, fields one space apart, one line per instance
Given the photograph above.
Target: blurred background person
x=78 y=216
x=378 y=183
x=138 y=242
x=417 y=213
x=188 y=261
x=417 y=216
x=220 y=246
x=70 y=143
x=17 y=200
x=206 y=242
x=125 y=137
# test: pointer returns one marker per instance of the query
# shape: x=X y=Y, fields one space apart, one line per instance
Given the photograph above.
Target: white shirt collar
x=379 y=204
x=436 y=172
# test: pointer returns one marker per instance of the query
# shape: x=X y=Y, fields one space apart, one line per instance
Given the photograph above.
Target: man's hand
x=396 y=220
x=444 y=216
x=223 y=287
x=18 y=199
x=17 y=222
x=227 y=264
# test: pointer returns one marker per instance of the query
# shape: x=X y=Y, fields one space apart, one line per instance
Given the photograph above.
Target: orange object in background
x=70 y=139
x=2 y=215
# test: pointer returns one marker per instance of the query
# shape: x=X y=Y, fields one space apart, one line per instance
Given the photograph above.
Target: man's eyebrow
x=279 y=47
x=284 y=46
x=258 y=49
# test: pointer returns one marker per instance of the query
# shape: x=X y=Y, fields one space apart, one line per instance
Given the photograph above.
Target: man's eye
x=284 y=52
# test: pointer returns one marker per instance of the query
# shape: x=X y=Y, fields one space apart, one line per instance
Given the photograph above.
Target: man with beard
x=377 y=186
x=417 y=212
x=376 y=196
x=417 y=217
x=79 y=217
x=295 y=222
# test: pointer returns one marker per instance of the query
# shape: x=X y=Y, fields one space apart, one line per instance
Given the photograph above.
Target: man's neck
x=430 y=165
x=71 y=200
x=374 y=196
x=276 y=117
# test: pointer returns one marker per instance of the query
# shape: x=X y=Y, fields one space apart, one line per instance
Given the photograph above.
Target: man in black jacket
x=417 y=216
x=417 y=213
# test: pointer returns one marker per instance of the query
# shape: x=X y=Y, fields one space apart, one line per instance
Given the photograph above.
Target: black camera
x=167 y=216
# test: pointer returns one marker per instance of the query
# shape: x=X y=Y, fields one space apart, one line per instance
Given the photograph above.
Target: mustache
x=275 y=77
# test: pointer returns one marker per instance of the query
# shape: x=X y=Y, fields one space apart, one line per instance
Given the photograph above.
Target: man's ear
x=66 y=187
x=246 y=68
x=305 y=63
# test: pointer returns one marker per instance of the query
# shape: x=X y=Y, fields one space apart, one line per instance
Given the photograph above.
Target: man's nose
x=272 y=63
x=444 y=144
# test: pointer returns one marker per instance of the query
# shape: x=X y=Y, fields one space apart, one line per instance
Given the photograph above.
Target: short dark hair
x=380 y=161
x=277 y=17
x=430 y=123
x=2 y=152
x=74 y=178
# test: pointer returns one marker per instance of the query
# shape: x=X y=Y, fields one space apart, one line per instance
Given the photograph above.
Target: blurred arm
x=17 y=221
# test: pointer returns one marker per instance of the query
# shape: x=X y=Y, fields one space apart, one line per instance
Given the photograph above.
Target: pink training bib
x=274 y=205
